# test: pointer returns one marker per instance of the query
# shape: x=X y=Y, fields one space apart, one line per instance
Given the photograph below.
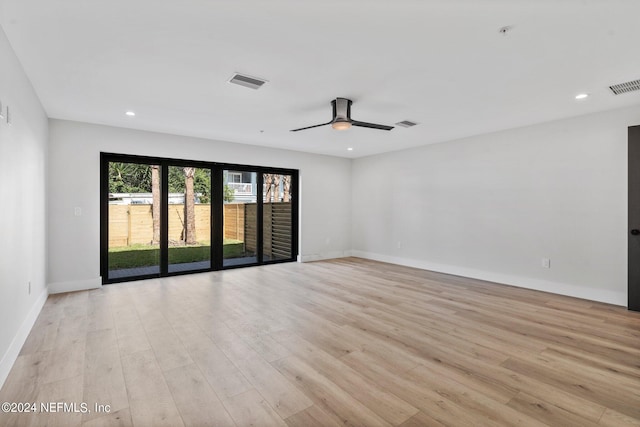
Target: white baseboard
x=324 y=255
x=77 y=285
x=19 y=339
x=593 y=294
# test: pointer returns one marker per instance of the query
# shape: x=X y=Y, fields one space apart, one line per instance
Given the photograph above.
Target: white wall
x=23 y=149
x=74 y=257
x=492 y=206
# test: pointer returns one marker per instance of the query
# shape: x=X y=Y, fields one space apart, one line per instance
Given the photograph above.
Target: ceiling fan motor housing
x=341 y=109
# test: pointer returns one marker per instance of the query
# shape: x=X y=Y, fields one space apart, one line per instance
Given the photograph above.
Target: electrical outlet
x=77 y=211
x=546 y=263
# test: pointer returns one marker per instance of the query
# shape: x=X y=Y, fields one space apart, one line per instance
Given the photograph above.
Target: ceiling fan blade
x=370 y=125
x=310 y=127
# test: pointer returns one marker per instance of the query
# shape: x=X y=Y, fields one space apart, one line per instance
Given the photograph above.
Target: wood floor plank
x=263 y=344
x=103 y=377
x=547 y=412
x=168 y=349
x=282 y=395
x=42 y=336
x=429 y=401
x=343 y=407
x=598 y=361
x=69 y=391
x=197 y=402
x=22 y=385
x=574 y=383
x=132 y=337
x=339 y=342
x=312 y=417
x=324 y=334
x=422 y=420
x=611 y=418
x=473 y=401
x=225 y=378
x=99 y=313
x=121 y=418
x=150 y=400
x=64 y=361
x=503 y=384
x=383 y=403
x=251 y=409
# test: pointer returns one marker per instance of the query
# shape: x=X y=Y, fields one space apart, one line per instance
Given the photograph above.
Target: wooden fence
x=133 y=224
x=277 y=229
x=234 y=220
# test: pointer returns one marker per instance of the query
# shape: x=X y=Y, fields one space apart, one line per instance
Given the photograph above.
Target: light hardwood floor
x=332 y=343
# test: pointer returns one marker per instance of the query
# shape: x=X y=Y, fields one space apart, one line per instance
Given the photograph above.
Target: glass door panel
x=277 y=220
x=189 y=219
x=134 y=220
x=240 y=218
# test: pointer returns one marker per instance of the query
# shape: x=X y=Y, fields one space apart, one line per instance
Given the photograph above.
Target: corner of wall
x=324 y=255
x=10 y=356
x=77 y=285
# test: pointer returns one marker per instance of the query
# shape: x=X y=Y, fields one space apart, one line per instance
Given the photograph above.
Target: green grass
x=146 y=255
x=232 y=248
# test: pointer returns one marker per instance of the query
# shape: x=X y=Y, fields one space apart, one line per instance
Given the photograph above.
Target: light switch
x=77 y=211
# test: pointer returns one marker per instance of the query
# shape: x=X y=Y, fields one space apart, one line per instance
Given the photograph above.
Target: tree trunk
x=268 y=189
x=286 y=184
x=155 y=207
x=276 y=188
x=189 y=207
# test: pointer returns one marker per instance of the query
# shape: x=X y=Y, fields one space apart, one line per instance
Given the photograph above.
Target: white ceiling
x=441 y=63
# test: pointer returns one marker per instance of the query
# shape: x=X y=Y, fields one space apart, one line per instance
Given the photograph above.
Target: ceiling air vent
x=246 y=81
x=406 y=124
x=625 y=87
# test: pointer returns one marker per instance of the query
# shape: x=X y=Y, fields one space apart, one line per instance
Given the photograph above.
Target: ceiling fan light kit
x=342 y=118
x=340 y=125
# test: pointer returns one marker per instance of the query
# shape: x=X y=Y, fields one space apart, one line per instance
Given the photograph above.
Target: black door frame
x=633 y=236
x=217 y=206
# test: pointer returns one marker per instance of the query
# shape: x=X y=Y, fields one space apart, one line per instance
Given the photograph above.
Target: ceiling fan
x=342 y=118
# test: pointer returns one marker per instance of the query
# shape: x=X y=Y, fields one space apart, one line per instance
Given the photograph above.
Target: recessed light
x=130 y=113
x=582 y=96
x=349 y=149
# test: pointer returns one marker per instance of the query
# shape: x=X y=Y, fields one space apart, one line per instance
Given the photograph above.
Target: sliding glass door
x=240 y=218
x=277 y=217
x=133 y=245
x=189 y=217
x=161 y=217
